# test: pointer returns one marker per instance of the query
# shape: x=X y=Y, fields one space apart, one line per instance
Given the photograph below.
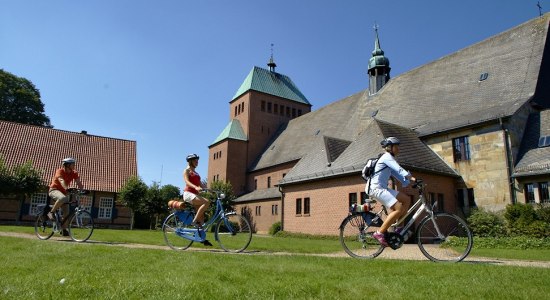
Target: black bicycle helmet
x=192 y=156
x=390 y=141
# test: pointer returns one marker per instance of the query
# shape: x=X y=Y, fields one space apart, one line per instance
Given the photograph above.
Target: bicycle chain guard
x=395 y=240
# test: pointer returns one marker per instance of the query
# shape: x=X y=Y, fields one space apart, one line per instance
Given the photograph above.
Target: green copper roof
x=233 y=130
x=272 y=83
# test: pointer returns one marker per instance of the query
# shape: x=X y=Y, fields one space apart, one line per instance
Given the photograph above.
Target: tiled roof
x=414 y=155
x=271 y=83
x=104 y=164
x=532 y=159
x=262 y=194
x=233 y=130
x=448 y=93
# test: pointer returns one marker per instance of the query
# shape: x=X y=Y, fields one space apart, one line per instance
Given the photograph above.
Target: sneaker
x=207 y=243
x=50 y=216
x=381 y=238
x=65 y=232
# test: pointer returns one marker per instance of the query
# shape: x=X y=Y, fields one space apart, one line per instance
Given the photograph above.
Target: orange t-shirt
x=68 y=177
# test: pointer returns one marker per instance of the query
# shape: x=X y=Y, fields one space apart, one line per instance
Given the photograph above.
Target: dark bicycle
x=81 y=223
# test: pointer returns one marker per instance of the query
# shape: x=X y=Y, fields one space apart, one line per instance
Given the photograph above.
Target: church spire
x=379 y=66
x=271 y=63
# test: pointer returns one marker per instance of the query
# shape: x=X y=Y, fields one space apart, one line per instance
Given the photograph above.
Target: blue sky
x=163 y=72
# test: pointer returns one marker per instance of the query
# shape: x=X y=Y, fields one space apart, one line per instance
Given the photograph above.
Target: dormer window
x=544 y=141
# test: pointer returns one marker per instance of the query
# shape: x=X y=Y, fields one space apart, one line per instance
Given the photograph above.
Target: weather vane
x=540 y=8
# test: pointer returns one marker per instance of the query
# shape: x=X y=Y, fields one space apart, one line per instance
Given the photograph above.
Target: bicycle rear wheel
x=233 y=232
x=444 y=238
x=81 y=226
x=356 y=238
x=43 y=227
x=169 y=227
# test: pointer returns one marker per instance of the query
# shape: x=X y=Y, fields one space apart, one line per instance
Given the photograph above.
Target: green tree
x=132 y=195
x=20 y=101
x=20 y=180
x=156 y=202
x=227 y=189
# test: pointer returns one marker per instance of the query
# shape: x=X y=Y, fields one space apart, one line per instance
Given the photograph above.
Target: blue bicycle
x=232 y=231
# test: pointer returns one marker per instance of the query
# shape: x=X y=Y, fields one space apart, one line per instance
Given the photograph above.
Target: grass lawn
x=33 y=269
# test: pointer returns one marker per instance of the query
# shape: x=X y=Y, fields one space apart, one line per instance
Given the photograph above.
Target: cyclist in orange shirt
x=59 y=185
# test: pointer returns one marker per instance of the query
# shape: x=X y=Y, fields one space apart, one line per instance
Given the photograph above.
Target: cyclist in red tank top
x=193 y=186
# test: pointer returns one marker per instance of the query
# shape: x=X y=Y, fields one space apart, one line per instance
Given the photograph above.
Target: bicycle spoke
x=81 y=226
x=444 y=237
x=169 y=227
x=356 y=238
x=233 y=233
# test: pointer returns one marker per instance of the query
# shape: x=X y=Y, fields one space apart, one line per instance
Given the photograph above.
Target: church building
x=474 y=125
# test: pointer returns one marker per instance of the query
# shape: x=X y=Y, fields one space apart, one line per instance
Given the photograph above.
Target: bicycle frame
x=199 y=234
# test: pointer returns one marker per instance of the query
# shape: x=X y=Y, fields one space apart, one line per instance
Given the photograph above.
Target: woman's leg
x=201 y=205
x=398 y=209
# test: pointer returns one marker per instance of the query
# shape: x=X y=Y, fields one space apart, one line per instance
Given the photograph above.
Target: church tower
x=263 y=104
x=379 y=67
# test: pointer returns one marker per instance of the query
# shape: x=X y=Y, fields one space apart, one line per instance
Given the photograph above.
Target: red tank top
x=195 y=179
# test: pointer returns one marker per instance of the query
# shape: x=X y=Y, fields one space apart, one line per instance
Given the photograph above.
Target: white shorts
x=189 y=197
x=385 y=196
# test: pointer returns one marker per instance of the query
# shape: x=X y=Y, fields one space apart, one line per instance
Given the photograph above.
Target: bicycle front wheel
x=444 y=238
x=169 y=227
x=356 y=238
x=81 y=226
x=233 y=232
x=43 y=227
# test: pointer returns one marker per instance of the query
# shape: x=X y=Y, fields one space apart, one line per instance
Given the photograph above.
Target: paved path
x=407 y=252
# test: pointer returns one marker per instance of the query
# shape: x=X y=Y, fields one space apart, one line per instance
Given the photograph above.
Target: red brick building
x=104 y=165
x=473 y=124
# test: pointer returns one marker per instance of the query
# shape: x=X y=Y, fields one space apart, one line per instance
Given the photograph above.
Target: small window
x=294 y=112
x=235 y=111
x=268 y=106
x=530 y=193
x=275 y=108
x=544 y=141
x=268 y=181
x=105 y=208
x=85 y=202
x=37 y=198
x=544 y=193
x=483 y=76
x=282 y=112
x=306 y=206
x=364 y=198
x=262 y=107
x=255 y=184
x=288 y=112
x=275 y=209
x=461 y=149
x=258 y=210
x=299 y=206
x=352 y=199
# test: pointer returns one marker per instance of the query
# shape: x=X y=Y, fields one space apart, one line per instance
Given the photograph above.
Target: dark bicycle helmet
x=192 y=156
x=68 y=161
x=390 y=141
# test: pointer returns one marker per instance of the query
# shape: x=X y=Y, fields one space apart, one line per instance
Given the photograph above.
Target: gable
x=104 y=164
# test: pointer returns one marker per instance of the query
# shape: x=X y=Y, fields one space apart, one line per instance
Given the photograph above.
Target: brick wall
x=261 y=214
x=329 y=201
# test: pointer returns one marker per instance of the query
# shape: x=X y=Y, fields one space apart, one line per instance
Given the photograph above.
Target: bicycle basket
x=185 y=216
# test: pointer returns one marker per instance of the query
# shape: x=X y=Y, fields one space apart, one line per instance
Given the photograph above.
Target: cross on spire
x=271 y=63
x=540 y=8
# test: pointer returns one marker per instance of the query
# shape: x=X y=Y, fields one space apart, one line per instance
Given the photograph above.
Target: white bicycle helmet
x=192 y=156
x=390 y=141
x=68 y=160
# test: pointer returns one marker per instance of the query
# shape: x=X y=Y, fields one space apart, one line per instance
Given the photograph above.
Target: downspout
x=509 y=161
x=282 y=207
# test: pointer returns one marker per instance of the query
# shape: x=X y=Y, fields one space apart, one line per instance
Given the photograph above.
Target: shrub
x=543 y=213
x=519 y=217
x=486 y=224
x=276 y=227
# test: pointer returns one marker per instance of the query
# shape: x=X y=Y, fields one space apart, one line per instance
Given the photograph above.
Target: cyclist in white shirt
x=378 y=189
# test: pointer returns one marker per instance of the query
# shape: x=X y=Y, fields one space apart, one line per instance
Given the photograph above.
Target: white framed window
x=105 y=208
x=37 y=198
x=86 y=203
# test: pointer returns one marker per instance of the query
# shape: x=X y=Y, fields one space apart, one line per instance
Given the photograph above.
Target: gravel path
x=407 y=252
